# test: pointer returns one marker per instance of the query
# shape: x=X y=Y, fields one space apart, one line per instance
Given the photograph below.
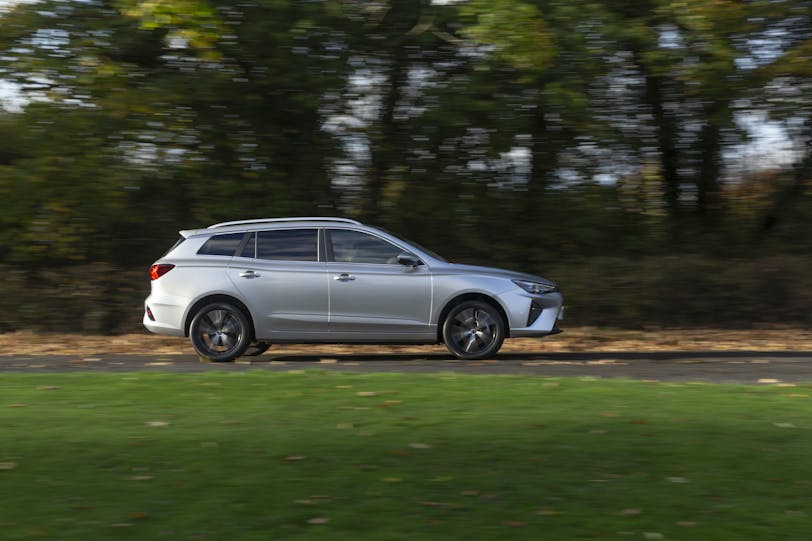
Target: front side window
x=288 y=245
x=356 y=247
x=222 y=244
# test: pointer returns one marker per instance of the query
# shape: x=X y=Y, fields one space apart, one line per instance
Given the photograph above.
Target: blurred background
x=654 y=157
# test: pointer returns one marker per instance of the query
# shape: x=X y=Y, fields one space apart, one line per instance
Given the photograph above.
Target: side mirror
x=409 y=260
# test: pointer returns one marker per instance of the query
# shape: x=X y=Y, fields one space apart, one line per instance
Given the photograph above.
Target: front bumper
x=534 y=315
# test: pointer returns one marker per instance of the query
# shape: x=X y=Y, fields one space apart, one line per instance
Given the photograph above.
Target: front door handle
x=344 y=277
x=249 y=274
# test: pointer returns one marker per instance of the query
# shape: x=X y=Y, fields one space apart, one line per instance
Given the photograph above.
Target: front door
x=372 y=296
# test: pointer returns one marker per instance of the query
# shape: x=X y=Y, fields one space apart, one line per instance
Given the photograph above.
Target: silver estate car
x=236 y=287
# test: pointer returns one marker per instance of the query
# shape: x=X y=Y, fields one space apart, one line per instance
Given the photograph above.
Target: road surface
x=778 y=367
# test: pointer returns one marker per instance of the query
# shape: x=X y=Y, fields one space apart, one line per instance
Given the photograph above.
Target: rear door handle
x=249 y=274
x=344 y=277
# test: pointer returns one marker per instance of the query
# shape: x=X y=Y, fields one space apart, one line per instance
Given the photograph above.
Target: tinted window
x=222 y=244
x=288 y=244
x=250 y=248
x=356 y=247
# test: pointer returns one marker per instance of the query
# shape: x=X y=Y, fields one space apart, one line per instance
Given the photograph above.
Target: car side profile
x=234 y=288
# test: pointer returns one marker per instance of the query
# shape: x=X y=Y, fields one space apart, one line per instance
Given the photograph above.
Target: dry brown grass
x=577 y=339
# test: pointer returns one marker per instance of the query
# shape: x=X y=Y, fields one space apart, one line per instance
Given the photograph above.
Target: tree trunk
x=383 y=142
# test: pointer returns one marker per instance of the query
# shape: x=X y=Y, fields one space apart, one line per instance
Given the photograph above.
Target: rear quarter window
x=224 y=245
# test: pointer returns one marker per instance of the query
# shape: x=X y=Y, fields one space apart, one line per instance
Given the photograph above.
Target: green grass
x=335 y=456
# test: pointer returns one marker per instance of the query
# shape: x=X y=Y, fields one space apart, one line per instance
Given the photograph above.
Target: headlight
x=536 y=288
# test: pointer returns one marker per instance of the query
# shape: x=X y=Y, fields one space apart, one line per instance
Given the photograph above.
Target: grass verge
x=244 y=456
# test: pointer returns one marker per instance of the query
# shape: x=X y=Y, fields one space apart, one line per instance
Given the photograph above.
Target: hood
x=456 y=268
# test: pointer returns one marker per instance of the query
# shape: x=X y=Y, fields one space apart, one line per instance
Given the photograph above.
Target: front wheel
x=473 y=330
x=257 y=348
x=220 y=332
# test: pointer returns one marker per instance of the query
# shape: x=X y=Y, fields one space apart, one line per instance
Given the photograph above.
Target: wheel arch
x=473 y=296
x=200 y=303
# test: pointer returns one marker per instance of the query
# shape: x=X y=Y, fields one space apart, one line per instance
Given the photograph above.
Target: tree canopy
x=553 y=129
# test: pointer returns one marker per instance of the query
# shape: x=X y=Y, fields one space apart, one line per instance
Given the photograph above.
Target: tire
x=220 y=332
x=473 y=330
x=257 y=348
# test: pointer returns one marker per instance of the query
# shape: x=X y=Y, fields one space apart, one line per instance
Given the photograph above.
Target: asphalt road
x=745 y=367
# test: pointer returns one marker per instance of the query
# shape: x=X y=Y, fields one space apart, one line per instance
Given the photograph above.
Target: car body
x=235 y=287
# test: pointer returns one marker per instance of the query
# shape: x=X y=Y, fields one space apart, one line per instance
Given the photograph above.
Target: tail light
x=156 y=271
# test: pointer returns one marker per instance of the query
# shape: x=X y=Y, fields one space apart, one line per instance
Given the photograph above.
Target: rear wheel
x=473 y=330
x=220 y=332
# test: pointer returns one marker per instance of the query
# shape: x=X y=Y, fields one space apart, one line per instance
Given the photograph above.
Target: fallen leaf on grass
x=784 y=425
x=318 y=520
x=676 y=479
x=653 y=535
x=443 y=479
x=19 y=405
x=638 y=421
x=137 y=515
x=390 y=403
x=366 y=393
x=7 y=465
x=630 y=512
x=157 y=423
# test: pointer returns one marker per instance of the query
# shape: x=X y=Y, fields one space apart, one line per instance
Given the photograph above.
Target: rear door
x=284 y=281
x=372 y=296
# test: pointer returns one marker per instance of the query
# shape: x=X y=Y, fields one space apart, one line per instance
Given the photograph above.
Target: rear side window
x=288 y=245
x=222 y=244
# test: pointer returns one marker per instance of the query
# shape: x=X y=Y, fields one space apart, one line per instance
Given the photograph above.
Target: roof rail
x=272 y=220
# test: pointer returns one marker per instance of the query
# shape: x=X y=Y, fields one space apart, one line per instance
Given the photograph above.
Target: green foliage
x=555 y=130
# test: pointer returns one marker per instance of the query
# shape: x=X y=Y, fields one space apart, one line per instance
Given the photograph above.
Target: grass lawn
x=335 y=456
